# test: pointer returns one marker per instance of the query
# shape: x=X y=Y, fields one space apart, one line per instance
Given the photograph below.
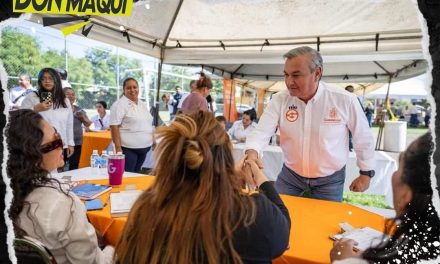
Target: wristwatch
x=369 y=173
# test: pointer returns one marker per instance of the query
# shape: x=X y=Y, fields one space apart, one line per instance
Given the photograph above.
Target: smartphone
x=46 y=97
x=94 y=204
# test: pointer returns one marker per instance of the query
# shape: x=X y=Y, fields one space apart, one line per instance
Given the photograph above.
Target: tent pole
x=159 y=76
x=382 y=120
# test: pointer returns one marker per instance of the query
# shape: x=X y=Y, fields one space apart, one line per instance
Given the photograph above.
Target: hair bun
x=193 y=155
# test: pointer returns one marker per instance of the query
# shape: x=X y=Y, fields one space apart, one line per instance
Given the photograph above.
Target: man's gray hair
x=25 y=75
x=315 y=57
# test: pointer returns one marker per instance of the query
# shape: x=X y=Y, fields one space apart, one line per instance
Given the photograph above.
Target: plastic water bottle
x=103 y=163
x=104 y=160
x=94 y=159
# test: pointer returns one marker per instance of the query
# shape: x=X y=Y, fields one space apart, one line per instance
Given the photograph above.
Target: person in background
x=131 y=125
x=101 y=121
x=42 y=207
x=414 y=119
x=197 y=198
x=63 y=76
x=417 y=234
x=168 y=102
x=51 y=102
x=197 y=99
x=369 y=111
x=428 y=115
x=222 y=121
x=79 y=119
x=212 y=107
x=314 y=119
x=193 y=87
x=17 y=94
x=176 y=99
x=241 y=128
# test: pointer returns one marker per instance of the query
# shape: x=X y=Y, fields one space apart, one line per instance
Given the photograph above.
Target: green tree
x=19 y=52
x=53 y=59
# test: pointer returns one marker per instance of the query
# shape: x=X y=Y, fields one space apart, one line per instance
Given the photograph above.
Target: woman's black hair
x=419 y=226
x=59 y=98
x=104 y=104
x=251 y=113
x=24 y=137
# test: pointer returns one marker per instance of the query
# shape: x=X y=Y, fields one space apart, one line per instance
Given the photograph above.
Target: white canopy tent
x=414 y=88
x=361 y=41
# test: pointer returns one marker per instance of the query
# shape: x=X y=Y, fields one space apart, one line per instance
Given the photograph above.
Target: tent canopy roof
x=247 y=38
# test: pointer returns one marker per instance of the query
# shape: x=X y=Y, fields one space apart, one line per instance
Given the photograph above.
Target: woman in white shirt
x=51 y=103
x=240 y=129
x=42 y=208
x=101 y=121
x=131 y=125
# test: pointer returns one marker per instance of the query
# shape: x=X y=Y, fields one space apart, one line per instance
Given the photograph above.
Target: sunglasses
x=48 y=147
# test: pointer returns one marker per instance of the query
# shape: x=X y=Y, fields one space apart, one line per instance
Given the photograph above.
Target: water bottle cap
x=104 y=152
x=95 y=151
x=119 y=153
x=110 y=152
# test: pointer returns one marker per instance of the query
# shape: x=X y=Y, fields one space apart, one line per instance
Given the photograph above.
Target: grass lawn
x=365 y=199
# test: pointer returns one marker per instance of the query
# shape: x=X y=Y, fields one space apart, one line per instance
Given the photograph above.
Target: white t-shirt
x=135 y=122
x=237 y=131
x=17 y=95
x=61 y=118
x=97 y=122
x=314 y=136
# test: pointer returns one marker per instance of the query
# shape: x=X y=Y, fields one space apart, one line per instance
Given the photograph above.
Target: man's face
x=178 y=90
x=23 y=81
x=299 y=80
x=70 y=95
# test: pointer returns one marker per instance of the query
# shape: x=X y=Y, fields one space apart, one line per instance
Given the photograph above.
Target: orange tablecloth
x=313 y=221
x=91 y=141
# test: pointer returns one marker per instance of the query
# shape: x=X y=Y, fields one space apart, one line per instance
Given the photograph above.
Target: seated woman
x=196 y=211
x=41 y=207
x=101 y=121
x=240 y=129
x=418 y=226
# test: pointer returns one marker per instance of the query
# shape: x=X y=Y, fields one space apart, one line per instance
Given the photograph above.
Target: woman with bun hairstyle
x=197 y=99
x=196 y=210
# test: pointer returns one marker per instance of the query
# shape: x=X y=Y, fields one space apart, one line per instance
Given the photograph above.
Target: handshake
x=251 y=167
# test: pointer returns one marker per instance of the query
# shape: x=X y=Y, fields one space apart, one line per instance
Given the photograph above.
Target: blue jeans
x=134 y=158
x=325 y=188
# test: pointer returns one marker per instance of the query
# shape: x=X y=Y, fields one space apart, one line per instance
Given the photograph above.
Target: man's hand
x=70 y=150
x=360 y=184
x=343 y=249
x=251 y=155
x=257 y=173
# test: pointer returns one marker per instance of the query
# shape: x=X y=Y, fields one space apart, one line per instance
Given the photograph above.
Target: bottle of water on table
x=94 y=161
x=104 y=162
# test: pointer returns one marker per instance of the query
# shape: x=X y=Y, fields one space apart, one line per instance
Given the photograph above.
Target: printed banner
x=75 y=7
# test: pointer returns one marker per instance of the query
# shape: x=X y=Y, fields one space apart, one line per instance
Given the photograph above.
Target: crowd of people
x=225 y=211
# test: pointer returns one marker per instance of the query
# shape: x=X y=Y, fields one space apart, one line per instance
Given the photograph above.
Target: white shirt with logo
x=314 y=136
x=135 y=123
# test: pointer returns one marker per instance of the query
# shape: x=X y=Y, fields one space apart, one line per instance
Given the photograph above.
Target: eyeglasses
x=48 y=147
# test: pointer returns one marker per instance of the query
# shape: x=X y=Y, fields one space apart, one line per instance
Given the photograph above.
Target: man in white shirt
x=314 y=120
x=17 y=94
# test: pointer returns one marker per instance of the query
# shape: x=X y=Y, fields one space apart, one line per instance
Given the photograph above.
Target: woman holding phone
x=51 y=103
